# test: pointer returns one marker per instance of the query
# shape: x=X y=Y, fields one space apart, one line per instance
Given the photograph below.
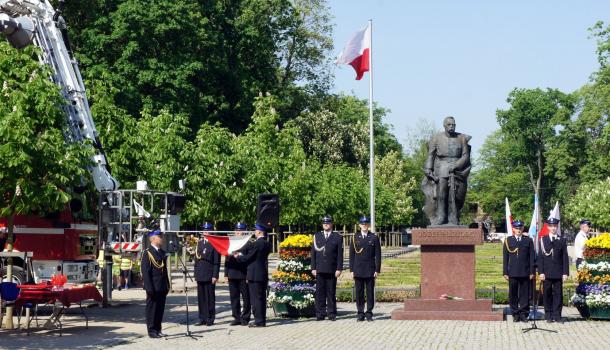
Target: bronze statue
x=447 y=168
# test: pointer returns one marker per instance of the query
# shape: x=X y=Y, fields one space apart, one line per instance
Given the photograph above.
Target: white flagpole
x=371 y=140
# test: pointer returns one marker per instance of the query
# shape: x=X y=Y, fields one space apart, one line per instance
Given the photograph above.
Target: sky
x=437 y=58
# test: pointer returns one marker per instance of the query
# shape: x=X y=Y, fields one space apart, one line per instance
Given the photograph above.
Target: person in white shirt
x=580 y=240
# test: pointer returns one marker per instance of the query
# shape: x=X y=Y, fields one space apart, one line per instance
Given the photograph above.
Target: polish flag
x=226 y=245
x=509 y=219
x=545 y=228
x=357 y=52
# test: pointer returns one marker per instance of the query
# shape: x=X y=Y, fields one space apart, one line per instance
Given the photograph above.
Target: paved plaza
x=122 y=327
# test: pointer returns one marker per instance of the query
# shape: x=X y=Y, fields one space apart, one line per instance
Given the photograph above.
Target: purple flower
x=586 y=289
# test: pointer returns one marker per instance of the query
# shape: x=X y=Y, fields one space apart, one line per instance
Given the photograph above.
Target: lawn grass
x=404 y=271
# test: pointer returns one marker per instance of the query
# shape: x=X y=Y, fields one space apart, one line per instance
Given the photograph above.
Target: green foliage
x=39 y=167
x=592 y=201
x=394 y=191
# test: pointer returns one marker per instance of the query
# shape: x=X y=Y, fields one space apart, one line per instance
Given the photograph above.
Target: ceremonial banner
x=226 y=245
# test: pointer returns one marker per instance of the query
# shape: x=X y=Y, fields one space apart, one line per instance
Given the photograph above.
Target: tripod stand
x=188 y=333
x=533 y=325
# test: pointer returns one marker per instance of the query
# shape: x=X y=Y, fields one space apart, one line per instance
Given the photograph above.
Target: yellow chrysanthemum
x=600 y=242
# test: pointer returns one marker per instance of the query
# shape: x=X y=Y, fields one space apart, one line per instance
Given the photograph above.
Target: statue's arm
x=465 y=158
x=429 y=164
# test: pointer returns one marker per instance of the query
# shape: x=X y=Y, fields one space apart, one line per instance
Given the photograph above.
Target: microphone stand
x=534 y=326
x=186 y=274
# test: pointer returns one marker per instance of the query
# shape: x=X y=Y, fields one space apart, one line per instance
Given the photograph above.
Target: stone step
x=401 y=314
x=447 y=305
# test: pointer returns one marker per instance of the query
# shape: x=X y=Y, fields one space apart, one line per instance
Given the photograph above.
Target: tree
x=394 y=191
x=39 y=168
x=530 y=123
x=592 y=201
x=496 y=176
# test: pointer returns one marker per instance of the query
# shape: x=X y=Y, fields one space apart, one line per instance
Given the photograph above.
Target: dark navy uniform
x=236 y=272
x=207 y=267
x=553 y=263
x=326 y=259
x=156 y=284
x=364 y=262
x=257 y=277
x=518 y=265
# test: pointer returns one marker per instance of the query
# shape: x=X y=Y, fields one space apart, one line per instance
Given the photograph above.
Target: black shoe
x=559 y=320
x=210 y=323
x=369 y=319
x=516 y=319
x=360 y=319
x=237 y=323
x=550 y=321
x=245 y=323
x=200 y=323
x=161 y=334
x=256 y=325
x=332 y=318
x=524 y=319
x=320 y=318
x=153 y=335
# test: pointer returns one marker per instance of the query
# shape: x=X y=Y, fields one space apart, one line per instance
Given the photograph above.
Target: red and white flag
x=357 y=52
x=226 y=245
x=545 y=228
x=509 y=219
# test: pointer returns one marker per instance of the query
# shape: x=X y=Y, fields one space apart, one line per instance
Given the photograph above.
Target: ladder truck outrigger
x=124 y=217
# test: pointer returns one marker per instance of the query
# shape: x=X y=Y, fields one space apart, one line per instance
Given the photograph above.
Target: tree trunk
x=9 y=268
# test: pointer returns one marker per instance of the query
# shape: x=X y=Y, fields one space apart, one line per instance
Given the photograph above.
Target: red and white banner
x=226 y=245
x=357 y=52
x=545 y=228
x=126 y=246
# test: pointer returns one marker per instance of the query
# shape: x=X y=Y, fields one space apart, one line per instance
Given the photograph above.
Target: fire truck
x=60 y=242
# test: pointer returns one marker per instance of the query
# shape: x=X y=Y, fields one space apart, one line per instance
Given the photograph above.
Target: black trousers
x=155 y=306
x=258 y=299
x=206 y=300
x=519 y=296
x=553 y=298
x=326 y=294
x=238 y=291
x=361 y=285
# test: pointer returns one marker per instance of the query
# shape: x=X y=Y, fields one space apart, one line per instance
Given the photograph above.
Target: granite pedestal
x=447 y=267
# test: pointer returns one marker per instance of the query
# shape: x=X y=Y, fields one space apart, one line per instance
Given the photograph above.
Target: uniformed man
x=553 y=266
x=257 y=276
x=365 y=265
x=207 y=268
x=518 y=267
x=235 y=272
x=326 y=266
x=156 y=283
x=580 y=240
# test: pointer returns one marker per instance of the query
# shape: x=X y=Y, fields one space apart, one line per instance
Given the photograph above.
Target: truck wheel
x=18 y=275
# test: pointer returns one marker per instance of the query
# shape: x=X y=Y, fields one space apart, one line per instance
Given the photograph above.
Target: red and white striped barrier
x=126 y=247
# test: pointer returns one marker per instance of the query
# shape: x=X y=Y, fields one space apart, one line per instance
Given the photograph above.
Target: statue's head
x=449 y=124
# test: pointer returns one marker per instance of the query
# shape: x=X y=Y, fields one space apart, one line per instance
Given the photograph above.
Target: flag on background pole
x=357 y=51
x=545 y=228
x=226 y=245
x=533 y=230
x=509 y=219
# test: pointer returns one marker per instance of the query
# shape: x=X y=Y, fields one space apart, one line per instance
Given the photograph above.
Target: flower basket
x=583 y=309
x=292 y=288
x=599 y=313
x=287 y=310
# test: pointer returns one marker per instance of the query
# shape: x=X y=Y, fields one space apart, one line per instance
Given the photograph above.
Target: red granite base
x=437 y=309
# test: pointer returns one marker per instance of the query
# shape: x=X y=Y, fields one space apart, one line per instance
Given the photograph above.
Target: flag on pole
x=357 y=52
x=545 y=228
x=509 y=219
x=226 y=245
x=533 y=230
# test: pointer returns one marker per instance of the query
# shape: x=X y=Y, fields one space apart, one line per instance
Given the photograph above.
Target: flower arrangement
x=592 y=297
x=600 y=242
x=297 y=241
x=292 y=288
